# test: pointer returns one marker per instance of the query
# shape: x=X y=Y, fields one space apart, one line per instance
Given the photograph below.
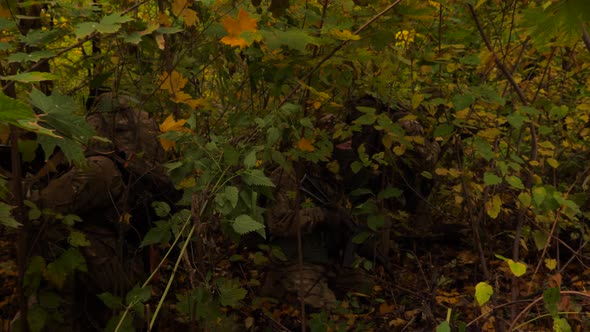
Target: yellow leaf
x=167 y=144
x=441 y=171
x=417 y=100
x=173 y=82
x=171 y=125
x=125 y=218
x=344 y=35
x=386 y=308
x=235 y=27
x=550 y=263
x=178 y=6
x=490 y=133
x=552 y=162
x=164 y=19
x=305 y=145
x=187 y=182
x=399 y=150
x=493 y=206
x=180 y=9
x=190 y=17
x=333 y=166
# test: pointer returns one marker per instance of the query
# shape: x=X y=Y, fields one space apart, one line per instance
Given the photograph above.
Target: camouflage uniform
x=325 y=227
x=108 y=189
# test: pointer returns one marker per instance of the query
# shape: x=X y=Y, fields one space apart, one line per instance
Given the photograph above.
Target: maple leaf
x=305 y=145
x=180 y=8
x=235 y=27
x=173 y=83
x=170 y=124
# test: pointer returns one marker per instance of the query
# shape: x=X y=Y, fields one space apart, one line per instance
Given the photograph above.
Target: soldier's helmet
x=132 y=133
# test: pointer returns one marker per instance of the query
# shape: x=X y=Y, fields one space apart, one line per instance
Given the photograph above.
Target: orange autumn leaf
x=305 y=145
x=4 y=12
x=171 y=125
x=235 y=27
x=180 y=9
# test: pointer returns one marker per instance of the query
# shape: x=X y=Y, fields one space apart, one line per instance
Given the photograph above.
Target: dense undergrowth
x=439 y=148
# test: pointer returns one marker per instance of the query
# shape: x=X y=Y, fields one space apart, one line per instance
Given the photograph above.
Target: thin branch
x=499 y=63
x=334 y=51
x=67 y=49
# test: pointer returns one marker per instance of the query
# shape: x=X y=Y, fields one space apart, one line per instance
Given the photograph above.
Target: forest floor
x=433 y=278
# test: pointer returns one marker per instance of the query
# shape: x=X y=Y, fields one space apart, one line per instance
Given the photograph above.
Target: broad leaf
x=244 y=224
x=256 y=177
x=483 y=293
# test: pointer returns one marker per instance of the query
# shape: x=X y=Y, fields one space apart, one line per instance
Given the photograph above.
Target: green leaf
x=230 y=292
x=30 y=77
x=296 y=39
x=483 y=293
x=525 y=199
x=33 y=274
x=6 y=218
x=111 y=301
x=443 y=130
x=483 y=148
x=361 y=237
x=560 y=324
x=461 y=102
x=491 y=179
x=272 y=136
x=232 y=195
x=256 y=177
x=157 y=235
x=64 y=114
x=374 y=222
x=71 y=219
x=517 y=268
x=37 y=318
x=444 y=326
x=244 y=224
x=49 y=300
x=162 y=209
x=13 y=110
x=515 y=182
x=78 y=239
x=250 y=159
x=41 y=37
x=552 y=296
x=33 y=56
x=57 y=271
x=115 y=18
x=73 y=150
x=539 y=194
x=540 y=239
x=138 y=295
x=84 y=29
x=516 y=120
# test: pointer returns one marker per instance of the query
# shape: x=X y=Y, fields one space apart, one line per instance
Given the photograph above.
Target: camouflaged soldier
x=325 y=226
x=120 y=178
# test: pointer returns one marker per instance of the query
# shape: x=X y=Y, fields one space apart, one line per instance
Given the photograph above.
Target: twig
x=499 y=63
x=67 y=49
x=334 y=51
x=539 y=299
